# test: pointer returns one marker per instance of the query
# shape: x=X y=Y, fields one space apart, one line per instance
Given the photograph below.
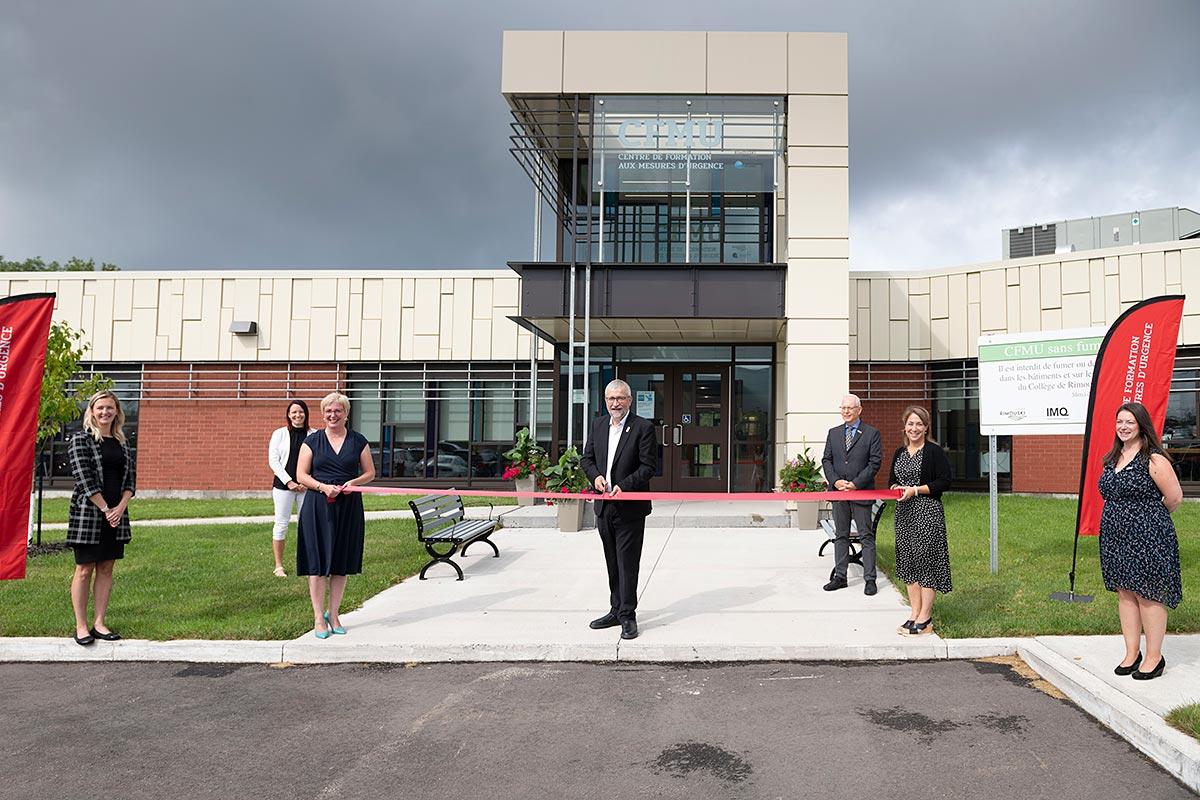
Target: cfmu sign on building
x=670 y=134
x=1036 y=383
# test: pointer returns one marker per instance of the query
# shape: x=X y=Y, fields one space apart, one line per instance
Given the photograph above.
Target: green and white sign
x=1036 y=383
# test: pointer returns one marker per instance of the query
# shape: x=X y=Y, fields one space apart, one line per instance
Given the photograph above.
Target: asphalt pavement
x=949 y=729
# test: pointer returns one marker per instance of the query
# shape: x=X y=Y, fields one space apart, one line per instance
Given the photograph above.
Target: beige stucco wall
x=368 y=316
x=940 y=314
x=816 y=355
x=673 y=62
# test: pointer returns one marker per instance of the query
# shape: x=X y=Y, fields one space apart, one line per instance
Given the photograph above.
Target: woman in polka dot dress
x=1139 y=553
x=921 y=470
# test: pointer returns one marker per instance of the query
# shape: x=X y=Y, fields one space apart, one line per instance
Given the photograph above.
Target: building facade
x=691 y=234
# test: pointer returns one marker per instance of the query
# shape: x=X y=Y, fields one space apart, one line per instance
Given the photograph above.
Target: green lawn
x=1035 y=557
x=54 y=509
x=214 y=581
x=1186 y=719
x=203 y=581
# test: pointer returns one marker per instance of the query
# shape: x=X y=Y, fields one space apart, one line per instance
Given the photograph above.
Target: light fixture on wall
x=244 y=327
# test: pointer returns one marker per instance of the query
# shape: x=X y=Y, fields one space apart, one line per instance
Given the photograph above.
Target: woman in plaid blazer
x=99 y=523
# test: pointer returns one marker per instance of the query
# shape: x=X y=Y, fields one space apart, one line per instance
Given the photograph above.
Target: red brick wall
x=891 y=389
x=209 y=429
x=1046 y=463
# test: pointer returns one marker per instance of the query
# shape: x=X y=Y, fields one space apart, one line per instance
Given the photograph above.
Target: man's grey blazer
x=859 y=464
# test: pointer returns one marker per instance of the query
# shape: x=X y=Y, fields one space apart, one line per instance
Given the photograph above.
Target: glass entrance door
x=650 y=401
x=701 y=436
x=689 y=408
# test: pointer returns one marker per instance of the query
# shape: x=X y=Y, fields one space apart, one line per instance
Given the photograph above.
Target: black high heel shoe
x=1120 y=670
x=921 y=628
x=1138 y=675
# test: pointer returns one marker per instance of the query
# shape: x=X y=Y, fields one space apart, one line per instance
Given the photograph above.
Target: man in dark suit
x=621 y=456
x=853 y=452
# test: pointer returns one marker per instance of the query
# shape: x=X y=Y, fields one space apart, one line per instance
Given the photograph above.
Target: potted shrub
x=802 y=474
x=525 y=461
x=567 y=476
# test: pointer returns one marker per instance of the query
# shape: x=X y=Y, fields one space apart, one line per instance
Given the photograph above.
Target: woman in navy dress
x=330 y=535
x=1139 y=553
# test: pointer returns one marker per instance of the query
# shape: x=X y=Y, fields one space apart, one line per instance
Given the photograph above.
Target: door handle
x=678 y=435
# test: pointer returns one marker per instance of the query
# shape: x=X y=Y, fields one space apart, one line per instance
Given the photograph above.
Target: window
x=682 y=179
x=127 y=384
x=444 y=421
x=1181 y=434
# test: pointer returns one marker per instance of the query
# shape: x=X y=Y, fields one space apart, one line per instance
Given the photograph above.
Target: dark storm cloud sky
x=262 y=133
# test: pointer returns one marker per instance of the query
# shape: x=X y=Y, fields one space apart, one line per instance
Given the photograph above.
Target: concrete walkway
x=706 y=594
x=473 y=512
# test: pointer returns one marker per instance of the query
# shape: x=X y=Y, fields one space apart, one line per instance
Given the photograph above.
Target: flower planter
x=570 y=515
x=526 y=484
x=804 y=515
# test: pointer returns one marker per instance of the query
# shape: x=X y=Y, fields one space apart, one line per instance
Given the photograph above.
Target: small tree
x=59 y=404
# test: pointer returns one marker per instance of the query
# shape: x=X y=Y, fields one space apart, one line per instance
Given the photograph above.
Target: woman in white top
x=282 y=455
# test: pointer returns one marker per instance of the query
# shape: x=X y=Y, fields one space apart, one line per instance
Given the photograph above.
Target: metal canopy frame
x=546 y=130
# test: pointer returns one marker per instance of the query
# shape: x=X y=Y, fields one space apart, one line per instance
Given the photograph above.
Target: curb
x=337 y=650
x=1174 y=751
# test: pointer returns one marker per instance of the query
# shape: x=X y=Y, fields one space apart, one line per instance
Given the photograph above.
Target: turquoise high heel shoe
x=321 y=634
x=339 y=630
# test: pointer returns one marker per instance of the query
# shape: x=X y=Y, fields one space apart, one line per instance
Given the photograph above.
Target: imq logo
x=639 y=133
x=1060 y=411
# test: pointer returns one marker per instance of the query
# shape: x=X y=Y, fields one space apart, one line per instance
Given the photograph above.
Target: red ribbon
x=802 y=497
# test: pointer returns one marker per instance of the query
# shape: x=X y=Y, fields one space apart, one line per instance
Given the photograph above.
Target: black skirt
x=109 y=549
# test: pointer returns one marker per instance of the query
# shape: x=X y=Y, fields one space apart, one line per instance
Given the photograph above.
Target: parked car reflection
x=443 y=465
x=405 y=461
x=485 y=461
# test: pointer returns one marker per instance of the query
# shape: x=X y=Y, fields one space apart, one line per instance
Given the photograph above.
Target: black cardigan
x=935 y=469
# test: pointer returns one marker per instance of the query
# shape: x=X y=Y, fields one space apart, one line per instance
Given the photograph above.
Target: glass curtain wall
x=445 y=421
x=127 y=384
x=1180 y=434
x=752 y=418
x=684 y=179
x=955 y=409
x=752 y=400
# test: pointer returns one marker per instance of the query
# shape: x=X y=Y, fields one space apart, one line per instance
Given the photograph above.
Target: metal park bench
x=855 y=539
x=442 y=523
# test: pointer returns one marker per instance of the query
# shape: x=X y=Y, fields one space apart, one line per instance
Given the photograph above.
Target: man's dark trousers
x=860 y=512
x=622 y=539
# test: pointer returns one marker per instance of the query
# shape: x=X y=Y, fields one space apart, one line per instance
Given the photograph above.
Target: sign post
x=1032 y=384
